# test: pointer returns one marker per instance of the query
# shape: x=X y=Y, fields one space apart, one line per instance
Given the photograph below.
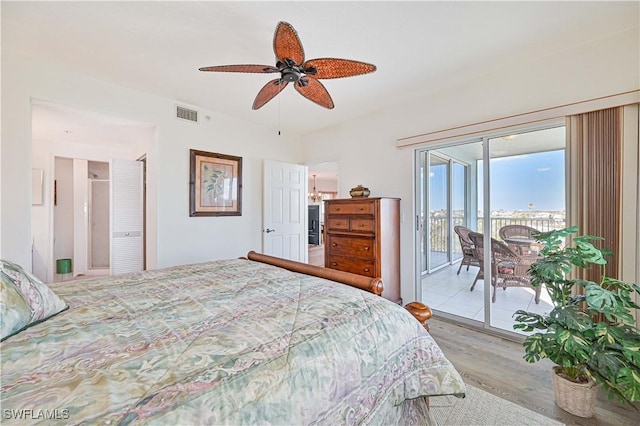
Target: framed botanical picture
x=216 y=184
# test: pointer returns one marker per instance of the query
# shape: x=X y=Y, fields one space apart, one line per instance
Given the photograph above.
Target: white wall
x=366 y=150
x=62 y=222
x=177 y=238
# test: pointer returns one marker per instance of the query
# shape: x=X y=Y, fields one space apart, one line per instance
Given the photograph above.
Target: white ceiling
x=61 y=123
x=418 y=47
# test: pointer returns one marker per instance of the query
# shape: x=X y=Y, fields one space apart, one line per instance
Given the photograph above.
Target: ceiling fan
x=294 y=69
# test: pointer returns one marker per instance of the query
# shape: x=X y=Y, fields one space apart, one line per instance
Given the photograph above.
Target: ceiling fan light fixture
x=291 y=64
x=291 y=75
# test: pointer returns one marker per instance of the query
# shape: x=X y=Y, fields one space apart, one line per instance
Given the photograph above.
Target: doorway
x=98 y=213
x=323 y=185
x=99 y=241
x=61 y=133
x=484 y=184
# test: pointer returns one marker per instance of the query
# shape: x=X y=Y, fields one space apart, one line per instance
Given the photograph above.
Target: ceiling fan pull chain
x=279 y=112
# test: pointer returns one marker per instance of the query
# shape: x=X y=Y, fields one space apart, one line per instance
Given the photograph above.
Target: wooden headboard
x=419 y=310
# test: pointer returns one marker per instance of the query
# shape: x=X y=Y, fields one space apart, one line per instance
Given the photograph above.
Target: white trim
x=552 y=113
x=629 y=250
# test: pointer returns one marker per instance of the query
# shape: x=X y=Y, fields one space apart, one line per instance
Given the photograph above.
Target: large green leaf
x=534 y=348
x=630 y=342
x=632 y=354
x=529 y=321
x=585 y=252
x=628 y=381
x=575 y=345
x=607 y=302
x=571 y=317
x=623 y=386
x=624 y=289
x=607 y=363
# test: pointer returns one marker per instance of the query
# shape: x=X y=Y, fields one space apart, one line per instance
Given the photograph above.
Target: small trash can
x=64 y=267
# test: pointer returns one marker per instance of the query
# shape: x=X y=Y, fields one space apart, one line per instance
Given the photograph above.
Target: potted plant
x=589 y=334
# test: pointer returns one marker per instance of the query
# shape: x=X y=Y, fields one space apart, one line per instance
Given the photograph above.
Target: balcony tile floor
x=447 y=292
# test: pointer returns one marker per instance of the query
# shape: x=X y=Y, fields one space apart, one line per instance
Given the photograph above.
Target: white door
x=126 y=216
x=284 y=232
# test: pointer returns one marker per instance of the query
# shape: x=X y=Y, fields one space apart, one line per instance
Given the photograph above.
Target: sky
x=536 y=179
x=517 y=182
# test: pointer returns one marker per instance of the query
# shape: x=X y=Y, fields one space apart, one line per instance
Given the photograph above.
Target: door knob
x=269 y=230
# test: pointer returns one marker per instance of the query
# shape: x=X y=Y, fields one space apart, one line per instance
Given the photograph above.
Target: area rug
x=482 y=408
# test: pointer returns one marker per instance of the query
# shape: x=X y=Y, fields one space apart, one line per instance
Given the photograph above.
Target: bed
x=238 y=341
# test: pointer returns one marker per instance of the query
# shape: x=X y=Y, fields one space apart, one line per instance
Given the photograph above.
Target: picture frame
x=215 y=184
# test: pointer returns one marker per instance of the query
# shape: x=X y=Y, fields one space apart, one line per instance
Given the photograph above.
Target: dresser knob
x=366 y=269
x=334 y=264
x=366 y=248
x=334 y=244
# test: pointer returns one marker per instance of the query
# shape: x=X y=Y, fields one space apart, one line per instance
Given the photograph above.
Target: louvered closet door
x=126 y=216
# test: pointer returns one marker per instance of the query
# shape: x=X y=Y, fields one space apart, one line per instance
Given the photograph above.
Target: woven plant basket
x=575 y=398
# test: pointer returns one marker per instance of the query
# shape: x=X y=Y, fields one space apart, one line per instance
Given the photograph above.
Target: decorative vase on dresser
x=362 y=236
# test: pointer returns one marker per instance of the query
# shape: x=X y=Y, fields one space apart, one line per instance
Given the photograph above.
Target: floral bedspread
x=222 y=342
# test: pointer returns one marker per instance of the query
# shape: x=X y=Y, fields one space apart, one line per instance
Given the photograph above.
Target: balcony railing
x=439 y=227
x=541 y=224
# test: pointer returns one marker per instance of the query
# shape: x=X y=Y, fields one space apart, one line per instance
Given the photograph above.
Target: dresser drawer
x=353 y=265
x=351 y=246
x=338 y=224
x=361 y=225
x=351 y=208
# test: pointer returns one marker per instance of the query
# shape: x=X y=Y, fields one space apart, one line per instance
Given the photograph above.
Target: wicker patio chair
x=520 y=238
x=468 y=250
x=509 y=269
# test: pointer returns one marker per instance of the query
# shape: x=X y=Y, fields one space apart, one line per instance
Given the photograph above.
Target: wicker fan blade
x=241 y=68
x=286 y=44
x=338 y=68
x=315 y=92
x=268 y=92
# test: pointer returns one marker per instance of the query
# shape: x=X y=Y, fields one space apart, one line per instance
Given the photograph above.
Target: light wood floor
x=316 y=255
x=495 y=365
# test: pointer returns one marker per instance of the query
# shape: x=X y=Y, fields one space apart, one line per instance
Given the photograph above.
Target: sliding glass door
x=484 y=185
x=438 y=209
x=527 y=194
x=443 y=204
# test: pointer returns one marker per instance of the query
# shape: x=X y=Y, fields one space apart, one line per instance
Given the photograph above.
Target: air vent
x=186 y=114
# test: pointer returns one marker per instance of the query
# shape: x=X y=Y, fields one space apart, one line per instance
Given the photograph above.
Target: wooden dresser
x=362 y=236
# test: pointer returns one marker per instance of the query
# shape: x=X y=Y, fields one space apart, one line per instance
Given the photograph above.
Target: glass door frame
x=486 y=217
x=426 y=265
